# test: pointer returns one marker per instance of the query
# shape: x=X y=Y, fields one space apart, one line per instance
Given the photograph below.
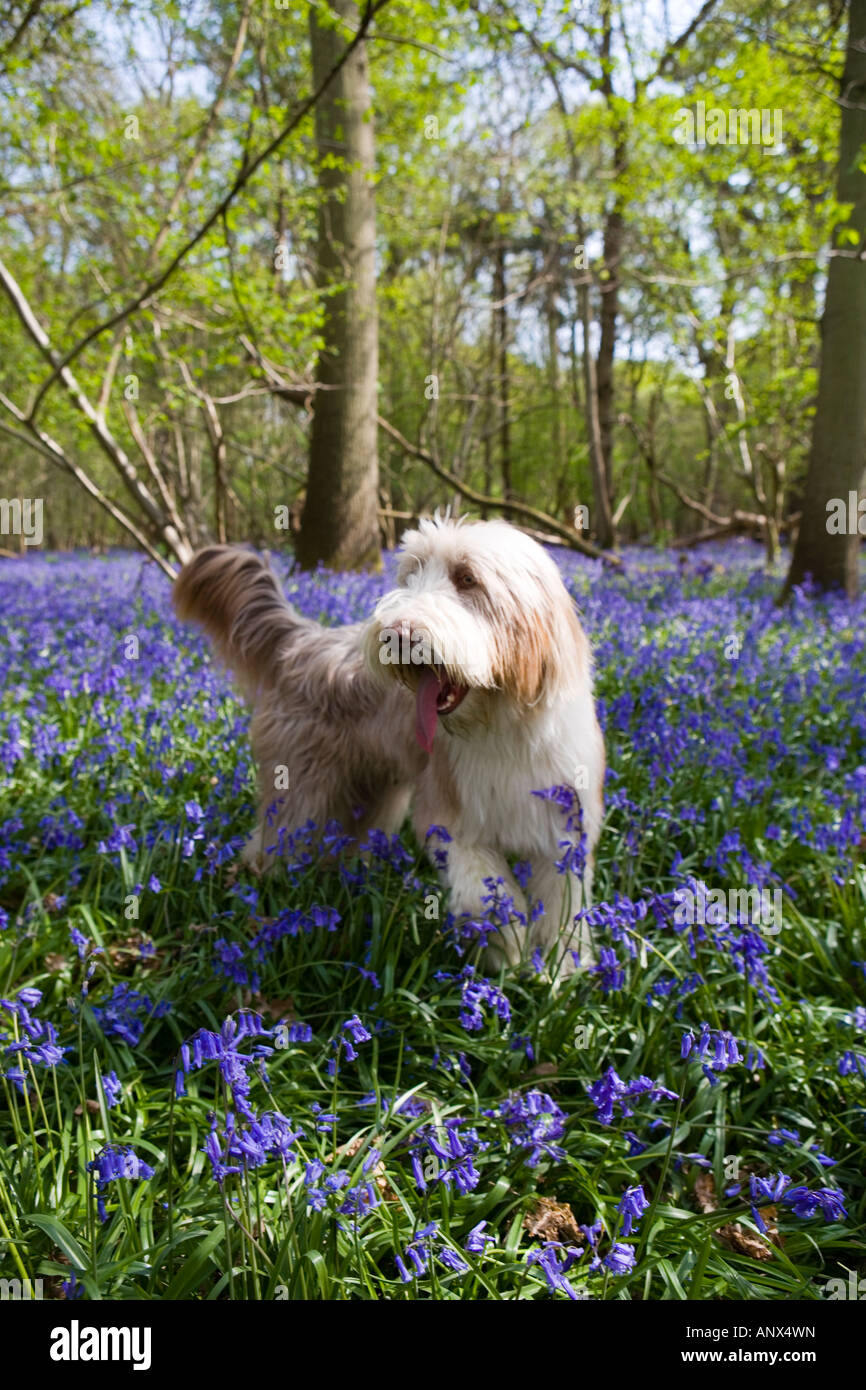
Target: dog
x=469 y=689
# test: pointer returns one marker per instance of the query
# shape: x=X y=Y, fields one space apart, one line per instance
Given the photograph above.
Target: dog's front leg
x=468 y=866
x=562 y=895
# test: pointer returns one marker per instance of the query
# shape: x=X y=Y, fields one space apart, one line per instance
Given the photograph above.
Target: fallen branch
x=302 y=394
x=566 y=534
x=736 y=525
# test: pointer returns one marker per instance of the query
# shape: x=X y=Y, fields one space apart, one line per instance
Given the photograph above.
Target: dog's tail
x=235 y=596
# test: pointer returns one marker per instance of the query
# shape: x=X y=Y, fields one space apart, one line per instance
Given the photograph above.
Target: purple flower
x=620 y=1259
x=452 y=1260
x=113 y=1089
x=768 y=1189
x=632 y=1206
x=454 y=1146
x=805 y=1202
x=554 y=1260
x=80 y=941
x=610 y=1092
x=223 y=1047
x=717 y=1050
x=522 y=871
x=359 y=1033
x=783 y=1136
x=125 y=1013
x=477 y=1241
x=112 y=1163
x=477 y=994
x=534 y=1122
x=611 y=976
x=418 y=1254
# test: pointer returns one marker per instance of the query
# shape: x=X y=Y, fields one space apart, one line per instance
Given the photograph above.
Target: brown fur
x=348 y=747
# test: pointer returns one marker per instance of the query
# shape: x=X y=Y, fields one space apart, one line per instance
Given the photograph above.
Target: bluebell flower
x=635 y=1145
x=477 y=1241
x=610 y=1092
x=632 y=1206
x=851 y=1063
x=114 y=1162
x=80 y=941
x=534 y=1122
x=125 y=1013
x=452 y=1260
x=477 y=994
x=522 y=871
x=782 y=1136
x=620 y=1259
x=554 y=1260
x=112 y=1088
x=611 y=976
x=806 y=1202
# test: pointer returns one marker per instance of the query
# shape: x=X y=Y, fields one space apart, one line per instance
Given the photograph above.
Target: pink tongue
x=425 y=710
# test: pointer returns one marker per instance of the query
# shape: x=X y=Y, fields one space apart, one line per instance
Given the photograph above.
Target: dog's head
x=479 y=614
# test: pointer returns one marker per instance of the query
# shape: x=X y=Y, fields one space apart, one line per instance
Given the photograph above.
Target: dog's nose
x=405 y=643
x=403 y=628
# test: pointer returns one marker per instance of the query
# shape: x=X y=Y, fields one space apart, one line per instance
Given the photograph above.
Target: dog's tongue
x=425 y=710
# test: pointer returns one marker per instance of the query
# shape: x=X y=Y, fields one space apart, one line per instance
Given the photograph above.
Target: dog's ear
x=544 y=651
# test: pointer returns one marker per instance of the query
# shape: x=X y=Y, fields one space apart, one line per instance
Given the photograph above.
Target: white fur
x=511 y=735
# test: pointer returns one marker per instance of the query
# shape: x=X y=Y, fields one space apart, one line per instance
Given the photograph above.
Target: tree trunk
x=601 y=521
x=839 y=428
x=613 y=236
x=554 y=386
x=339 y=525
x=500 y=292
x=614 y=227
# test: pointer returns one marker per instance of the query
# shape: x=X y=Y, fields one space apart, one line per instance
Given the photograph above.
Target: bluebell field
x=218 y=1086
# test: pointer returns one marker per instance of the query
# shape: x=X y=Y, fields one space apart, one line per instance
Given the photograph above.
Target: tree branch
x=245 y=173
x=37 y=439
x=178 y=542
x=516 y=508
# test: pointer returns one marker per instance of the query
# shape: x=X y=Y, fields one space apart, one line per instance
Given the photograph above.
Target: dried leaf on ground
x=732 y=1235
x=552 y=1220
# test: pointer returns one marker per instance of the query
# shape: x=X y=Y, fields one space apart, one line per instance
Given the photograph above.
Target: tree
x=340 y=523
x=829 y=555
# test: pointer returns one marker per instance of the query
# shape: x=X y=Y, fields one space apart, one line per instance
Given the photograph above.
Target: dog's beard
x=438 y=663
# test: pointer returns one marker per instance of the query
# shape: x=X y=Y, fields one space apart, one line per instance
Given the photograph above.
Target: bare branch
x=550 y=523
x=177 y=541
x=36 y=438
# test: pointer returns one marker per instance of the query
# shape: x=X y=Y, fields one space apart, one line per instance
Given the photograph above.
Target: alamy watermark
x=728 y=126
x=415 y=646
x=853 y=1289
x=22 y=516
x=18 y=1290
x=758 y=907
x=847 y=517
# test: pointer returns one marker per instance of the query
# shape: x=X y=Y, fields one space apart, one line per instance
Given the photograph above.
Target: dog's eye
x=464 y=579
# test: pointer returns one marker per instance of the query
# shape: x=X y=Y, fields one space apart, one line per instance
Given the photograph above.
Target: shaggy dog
x=468 y=690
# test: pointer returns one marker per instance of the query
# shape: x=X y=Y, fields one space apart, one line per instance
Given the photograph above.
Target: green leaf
x=195 y=1267
x=62 y=1238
